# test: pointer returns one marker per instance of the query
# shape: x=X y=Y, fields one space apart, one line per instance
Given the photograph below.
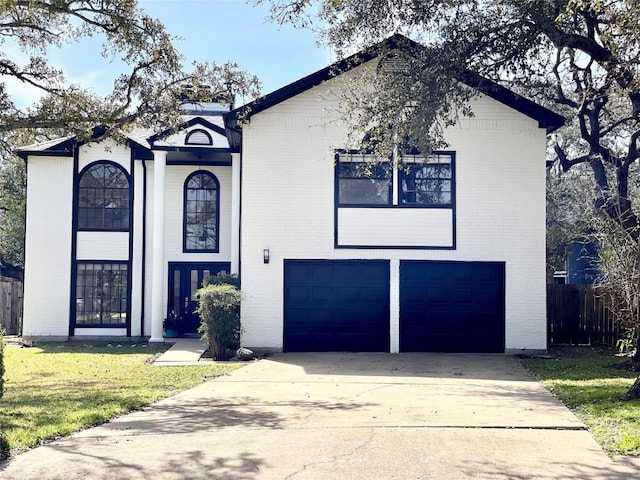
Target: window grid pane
x=101 y=294
x=103 y=198
x=362 y=181
x=201 y=212
x=426 y=181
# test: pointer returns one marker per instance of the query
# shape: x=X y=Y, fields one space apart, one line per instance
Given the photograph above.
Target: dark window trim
x=337 y=178
x=401 y=176
x=73 y=325
x=184 y=214
x=452 y=207
x=198 y=130
x=77 y=199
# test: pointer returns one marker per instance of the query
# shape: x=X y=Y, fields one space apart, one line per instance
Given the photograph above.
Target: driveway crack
x=335 y=458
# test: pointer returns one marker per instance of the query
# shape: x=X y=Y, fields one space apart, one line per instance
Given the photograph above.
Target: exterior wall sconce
x=265 y=255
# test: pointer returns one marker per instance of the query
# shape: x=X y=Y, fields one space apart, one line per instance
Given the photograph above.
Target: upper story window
x=104 y=200
x=362 y=181
x=419 y=181
x=201 y=212
x=426 y=181
x=198 y=137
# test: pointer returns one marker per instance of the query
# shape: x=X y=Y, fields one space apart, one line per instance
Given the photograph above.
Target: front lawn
x=55 y=389
x=587 y=381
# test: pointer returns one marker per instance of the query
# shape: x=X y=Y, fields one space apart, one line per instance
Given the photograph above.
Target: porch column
x=235 y=213
x=158 y=276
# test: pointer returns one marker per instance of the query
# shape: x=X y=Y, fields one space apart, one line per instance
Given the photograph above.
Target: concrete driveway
x=340 y=416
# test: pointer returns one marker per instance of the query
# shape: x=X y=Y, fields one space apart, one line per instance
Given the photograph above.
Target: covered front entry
x=336 y=305
x=452 y=306
x=184 y=280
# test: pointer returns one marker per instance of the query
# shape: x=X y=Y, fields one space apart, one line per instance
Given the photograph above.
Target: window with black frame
x=101 y=293
x=201 y=200
x=363 y=181
x=103 y=198
x=426 y=181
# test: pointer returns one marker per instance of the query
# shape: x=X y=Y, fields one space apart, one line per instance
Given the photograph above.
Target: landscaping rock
x=244 y=354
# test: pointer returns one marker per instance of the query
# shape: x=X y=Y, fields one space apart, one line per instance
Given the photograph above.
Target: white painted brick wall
x=174 y=206
x=105 y=150
x=287 y=206
x=47 y=274
x=103 y=246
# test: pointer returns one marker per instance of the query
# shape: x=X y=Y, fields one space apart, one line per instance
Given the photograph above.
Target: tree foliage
x=12 y=210
x=147 y=93
x=150 y=83
x=579 y=56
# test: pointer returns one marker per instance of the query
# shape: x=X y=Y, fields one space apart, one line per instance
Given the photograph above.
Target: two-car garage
x=344 y=305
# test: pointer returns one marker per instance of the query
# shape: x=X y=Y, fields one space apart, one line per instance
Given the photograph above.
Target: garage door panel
x=347 y=309
x=348 y=294
x=323 y=274
x=374 y=294
x=298 y=274
x=461 y=295
x=451 y=306
x=322 y=295
x=347 y=274
x=297 y=295
x=436 y=295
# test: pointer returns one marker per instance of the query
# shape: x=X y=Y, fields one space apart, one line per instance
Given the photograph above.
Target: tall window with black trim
x=427 y=181
x=101 y=293
x=104 y=198
x=201 y=212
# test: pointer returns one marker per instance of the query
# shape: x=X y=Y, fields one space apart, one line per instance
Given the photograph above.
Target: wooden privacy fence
x=577 y=315
x=10 y=305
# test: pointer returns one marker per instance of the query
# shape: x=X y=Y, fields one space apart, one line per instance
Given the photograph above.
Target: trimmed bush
x=222 y=278
x=219 y=310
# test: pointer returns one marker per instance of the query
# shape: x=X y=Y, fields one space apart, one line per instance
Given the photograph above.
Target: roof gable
x=546 y=118
x=196 y=132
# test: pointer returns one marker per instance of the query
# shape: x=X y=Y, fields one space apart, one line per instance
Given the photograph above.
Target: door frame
x=214 y=267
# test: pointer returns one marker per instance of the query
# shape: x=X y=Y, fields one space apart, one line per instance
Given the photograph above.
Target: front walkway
x=184 y=351
x=341 y=416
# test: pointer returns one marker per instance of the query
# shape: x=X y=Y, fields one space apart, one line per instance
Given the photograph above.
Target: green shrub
x=219 y=310
x=222 y=278
x=1 y=361
x=4 y=444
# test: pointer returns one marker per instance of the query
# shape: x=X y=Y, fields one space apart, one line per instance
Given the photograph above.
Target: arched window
x=198 y=137
x=201 y=215
x=104 y=200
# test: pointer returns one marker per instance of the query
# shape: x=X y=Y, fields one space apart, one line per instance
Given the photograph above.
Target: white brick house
x=448 y=255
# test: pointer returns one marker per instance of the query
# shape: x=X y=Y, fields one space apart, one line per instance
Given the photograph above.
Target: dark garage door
x=451 y=306
x=336 y=305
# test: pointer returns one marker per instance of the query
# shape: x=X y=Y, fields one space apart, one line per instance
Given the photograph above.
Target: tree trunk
x=634 y=391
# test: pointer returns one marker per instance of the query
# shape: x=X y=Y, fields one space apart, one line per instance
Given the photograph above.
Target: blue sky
x=233 y=30
x=210 y=30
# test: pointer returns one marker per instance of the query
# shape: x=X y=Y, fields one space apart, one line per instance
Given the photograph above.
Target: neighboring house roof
x=546 y=118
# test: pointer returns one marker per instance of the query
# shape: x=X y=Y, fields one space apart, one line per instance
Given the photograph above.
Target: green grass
x=587 y=382
x=55 y=389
